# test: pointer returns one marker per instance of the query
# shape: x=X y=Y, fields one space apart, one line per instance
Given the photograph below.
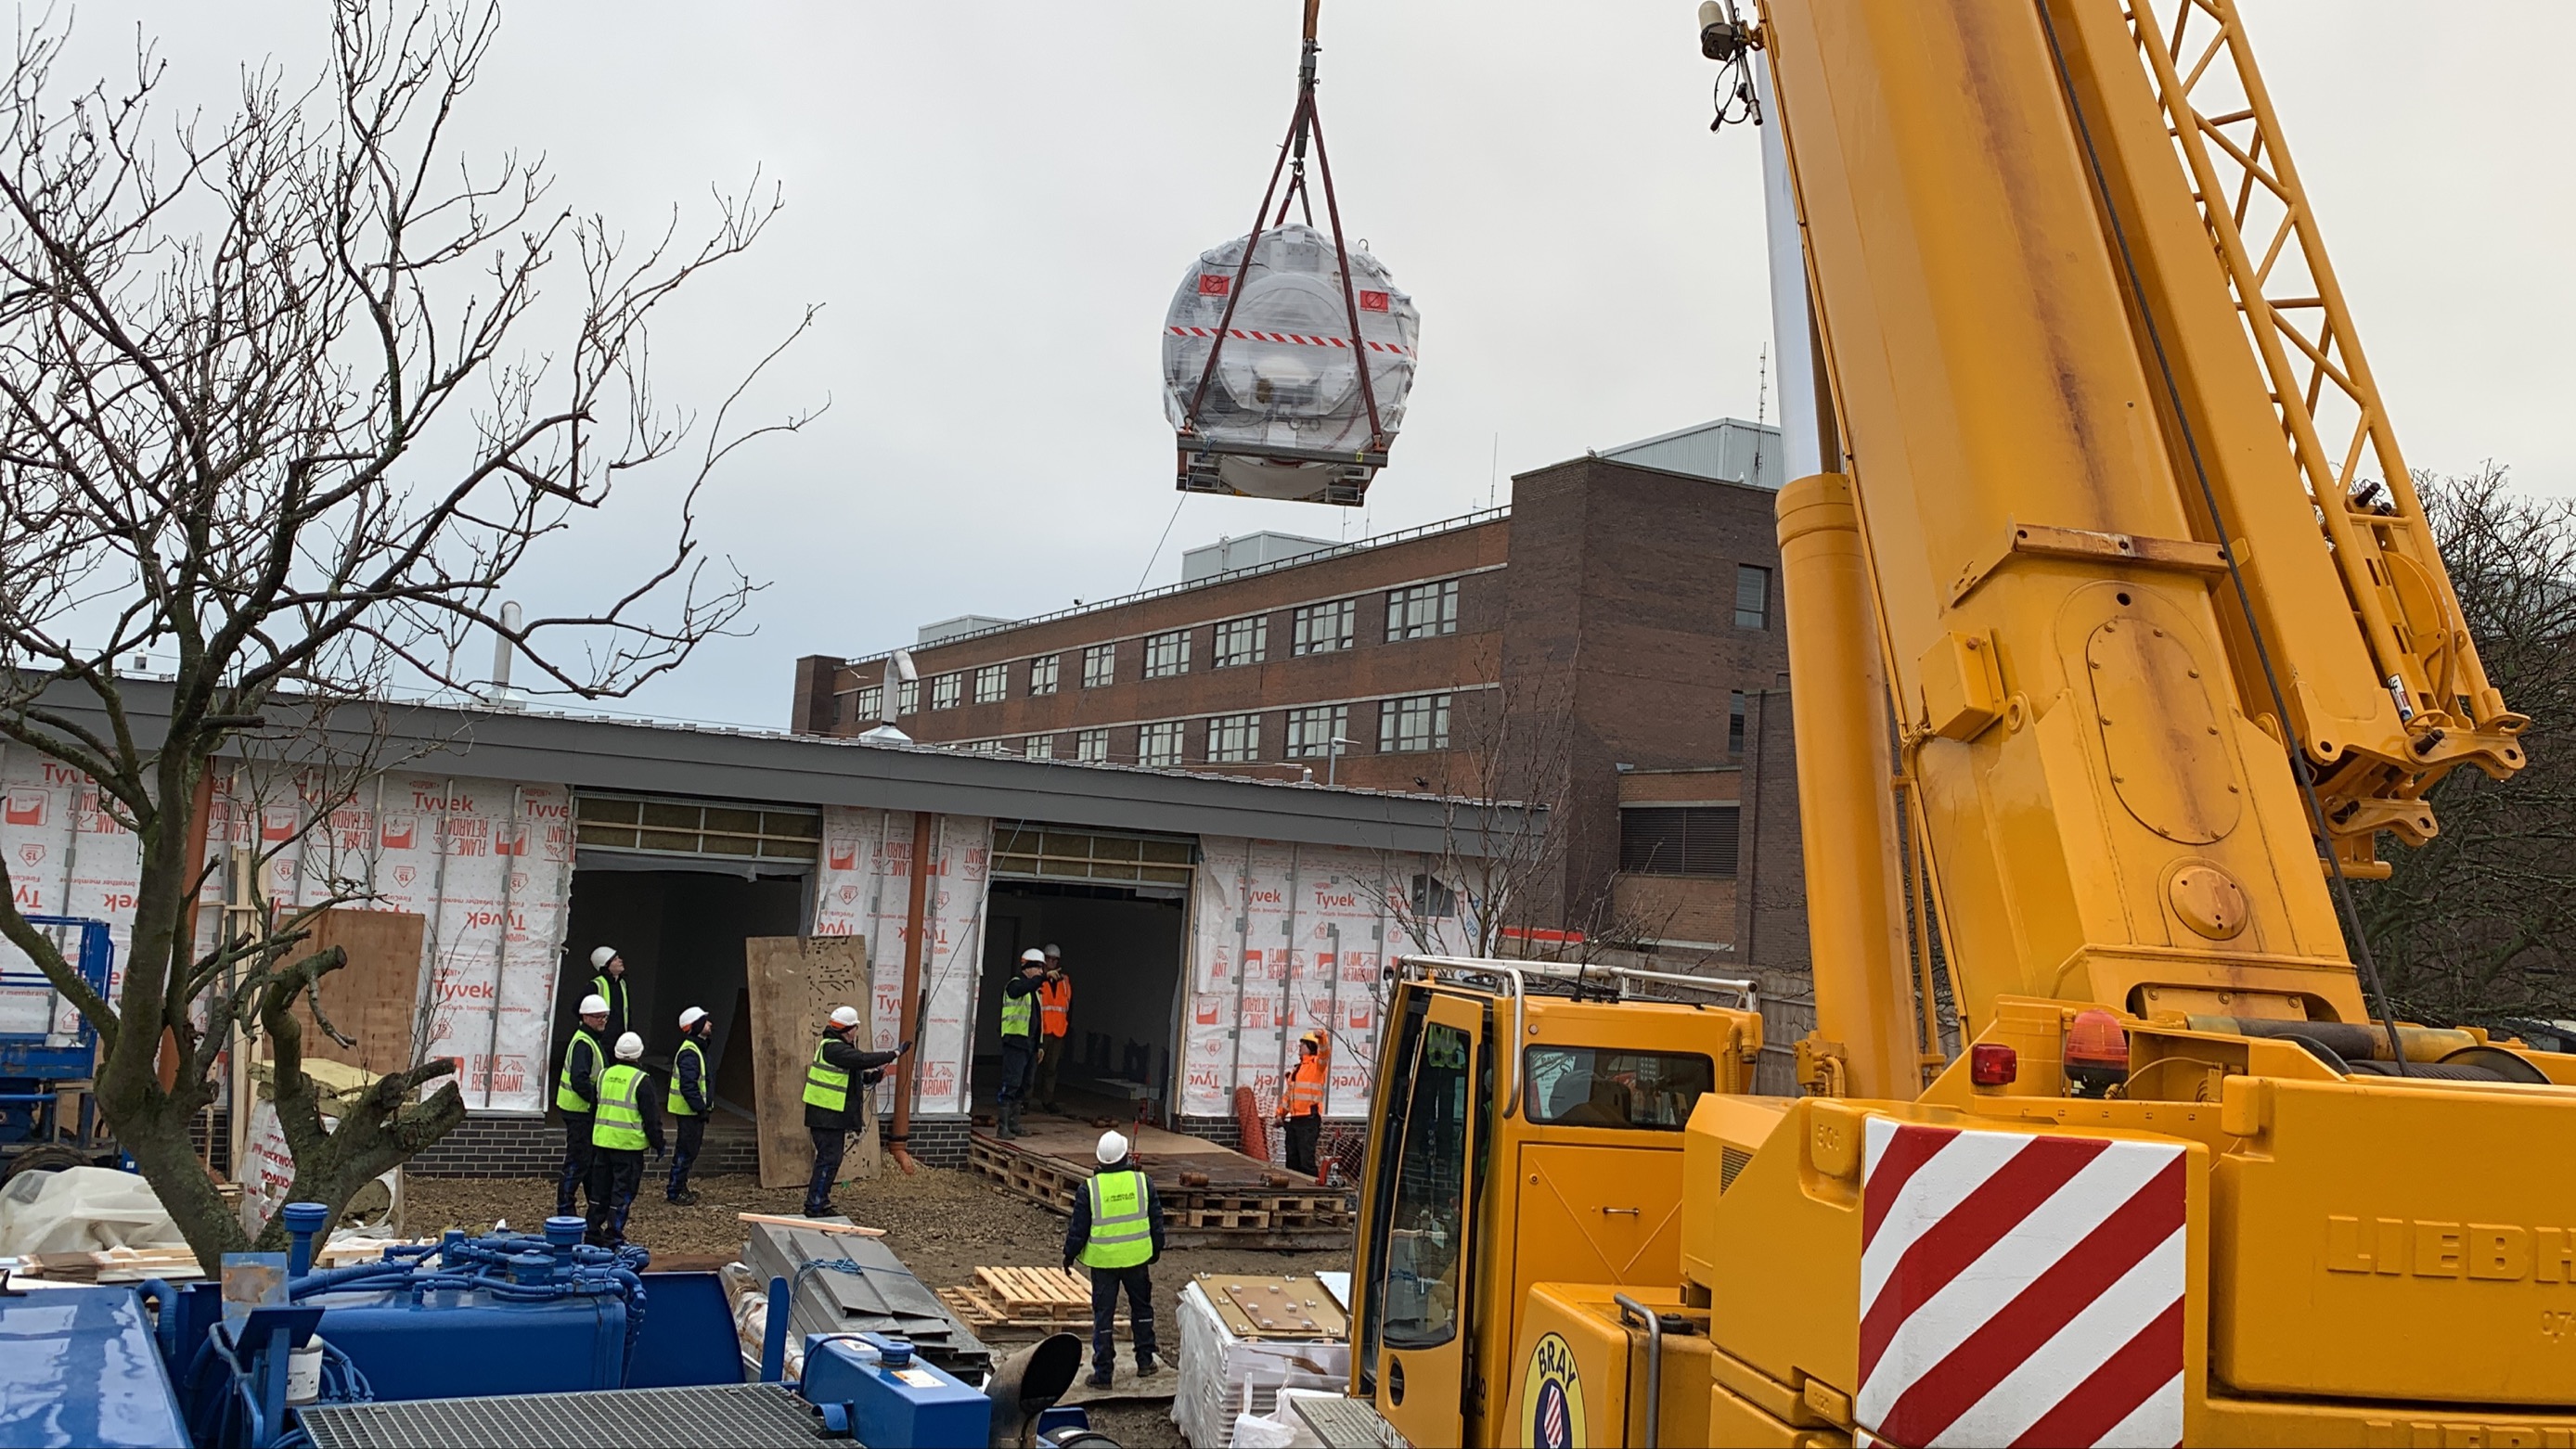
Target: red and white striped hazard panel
x=1297 y=339
x=2020 y=1289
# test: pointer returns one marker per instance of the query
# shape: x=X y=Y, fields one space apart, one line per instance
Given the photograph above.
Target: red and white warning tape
x=1243 y=336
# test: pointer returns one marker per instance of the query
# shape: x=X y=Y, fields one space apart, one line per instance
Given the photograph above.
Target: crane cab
x=1529 y=1125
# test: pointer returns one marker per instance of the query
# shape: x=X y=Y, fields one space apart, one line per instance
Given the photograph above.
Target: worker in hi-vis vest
x=692 y=1097
x=1301 y=1104
x=833 y=1100
x=1055 y=1018
x=1117 y=1233
x=577 y=1096
x=608 y=983
x=629 y=1121
x=1019 y=1042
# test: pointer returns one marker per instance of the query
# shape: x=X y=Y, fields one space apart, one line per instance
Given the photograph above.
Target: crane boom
x=2118 y=637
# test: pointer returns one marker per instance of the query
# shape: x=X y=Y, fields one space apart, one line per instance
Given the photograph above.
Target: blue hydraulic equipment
x=498 y=1340
x=44 y=1046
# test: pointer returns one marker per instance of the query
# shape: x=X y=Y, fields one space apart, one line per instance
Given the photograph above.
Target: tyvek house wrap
x=866 y=890
x=486 y=864
x=1287 y=376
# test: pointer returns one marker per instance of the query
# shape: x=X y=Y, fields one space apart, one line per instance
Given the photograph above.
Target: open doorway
x=681 y=932
x=1123 y=953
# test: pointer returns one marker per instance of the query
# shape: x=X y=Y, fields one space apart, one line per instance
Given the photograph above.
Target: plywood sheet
x=373 y=999
x=794 y=982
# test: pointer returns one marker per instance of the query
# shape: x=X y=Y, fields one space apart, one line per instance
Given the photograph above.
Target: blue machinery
x=34 y=1057
x=498 y=1340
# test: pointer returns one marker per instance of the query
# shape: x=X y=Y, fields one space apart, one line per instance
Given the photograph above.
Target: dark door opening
x=1122 y=952
x=681 y=932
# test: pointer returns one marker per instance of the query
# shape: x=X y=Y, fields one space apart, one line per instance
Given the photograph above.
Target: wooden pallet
x=983 y=1316
x=1027 y=1175
x=1232 y=1219
x=1059 y=1293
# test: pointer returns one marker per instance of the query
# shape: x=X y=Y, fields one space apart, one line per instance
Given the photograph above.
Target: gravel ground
x=942 y=1224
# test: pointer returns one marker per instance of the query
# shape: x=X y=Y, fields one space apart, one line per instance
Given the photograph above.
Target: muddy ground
x=943 y=1224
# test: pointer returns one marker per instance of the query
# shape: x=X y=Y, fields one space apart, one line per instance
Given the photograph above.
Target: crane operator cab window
x=1426 y=1229
x=1593 y=1087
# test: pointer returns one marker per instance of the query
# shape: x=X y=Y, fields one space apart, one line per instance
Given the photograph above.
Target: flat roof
x=721 y=762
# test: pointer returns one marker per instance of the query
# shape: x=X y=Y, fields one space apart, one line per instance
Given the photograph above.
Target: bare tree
x=285 y=405
x=2473 y=925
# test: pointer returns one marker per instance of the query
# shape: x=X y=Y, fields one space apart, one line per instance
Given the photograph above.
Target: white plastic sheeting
x=1291 y=938
x=1225 y=1380
x=866 y=890
x=1287 y=376
x=81 y=1210
x=486 y=864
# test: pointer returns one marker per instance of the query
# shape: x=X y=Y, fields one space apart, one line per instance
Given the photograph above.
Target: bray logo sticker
x=1552 y=1397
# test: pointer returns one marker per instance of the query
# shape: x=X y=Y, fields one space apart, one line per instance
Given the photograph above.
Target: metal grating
x=750 y=1416
x=1348 y=1423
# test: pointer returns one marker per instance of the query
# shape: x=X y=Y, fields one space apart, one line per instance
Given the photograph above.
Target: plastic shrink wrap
x=1283 y=414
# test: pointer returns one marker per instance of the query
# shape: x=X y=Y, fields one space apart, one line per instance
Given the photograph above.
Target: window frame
x=1541 y=1111
x=998 y=677
x=870 y=705
x=1038 y=747
x=1044 y=673
x=1246 y=748
x=1091 y=746
x=1167 y=655
x=1392 y=713
x=1154 y=735
x=1302 y=638
x=1105 y=656
x=1404 y=605
x=907 y=696
x=947 y=690
x=1337 y=723
x=1760 y=613
x=1257 y=626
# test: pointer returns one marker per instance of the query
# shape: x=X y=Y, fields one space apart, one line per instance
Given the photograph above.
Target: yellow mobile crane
x=2101 y=505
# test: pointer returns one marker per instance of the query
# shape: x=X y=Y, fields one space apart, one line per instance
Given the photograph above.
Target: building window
x=1433 y=901
x=1422 y=611
x=1167 y=654
x=946 y=690
x=992 y=682
x=907 y=696
x=872 y=703
x=1241 y=641
x=1099 y=665
x=1418 y=723
x=1159 y=744
x=1311 y=732
x=1678 y=840
x=1752 y=597
x=1735 y=722
x=987 y=747
x=1234 y=739
x=1091 y=745
x=1042 y=674
x=1323 y=628
x=1039 y=747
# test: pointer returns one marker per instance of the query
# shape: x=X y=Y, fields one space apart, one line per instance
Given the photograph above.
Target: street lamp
x=1333 y=759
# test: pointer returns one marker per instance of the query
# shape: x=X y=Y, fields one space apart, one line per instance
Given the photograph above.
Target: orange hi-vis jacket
x=1305 y=1094
x=1055 y=1003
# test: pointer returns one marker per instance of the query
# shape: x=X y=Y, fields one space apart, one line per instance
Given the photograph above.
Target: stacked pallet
x=114 y=1265
x=1046 y=1181
x=1209 y=1194
x=1026 y=1300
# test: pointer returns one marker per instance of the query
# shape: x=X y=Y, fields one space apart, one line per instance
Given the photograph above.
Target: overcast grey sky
x=994 y=202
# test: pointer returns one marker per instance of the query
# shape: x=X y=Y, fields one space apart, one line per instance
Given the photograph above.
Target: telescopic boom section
x=2050 y=380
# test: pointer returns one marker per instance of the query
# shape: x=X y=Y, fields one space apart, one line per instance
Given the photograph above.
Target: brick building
x=1608 y=645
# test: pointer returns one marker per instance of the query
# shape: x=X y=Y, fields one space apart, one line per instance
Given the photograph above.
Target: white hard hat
x=600 y=957
x=1053 y=949
x=691 y=1017
x=845 y=1016
x=629 y=1046
x=1113 y=1147
x=1033 y=956
x=594 y=1005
